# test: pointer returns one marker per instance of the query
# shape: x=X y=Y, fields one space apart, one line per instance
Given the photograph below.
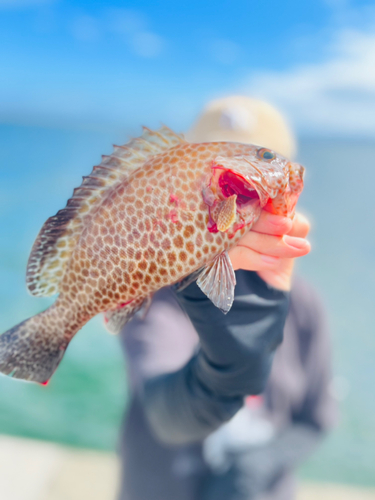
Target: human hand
x=271 y=246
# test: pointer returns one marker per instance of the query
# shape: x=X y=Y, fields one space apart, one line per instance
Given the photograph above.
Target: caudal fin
x=33 y=349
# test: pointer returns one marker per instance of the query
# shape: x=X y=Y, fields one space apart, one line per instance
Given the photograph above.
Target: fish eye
x=266 y=154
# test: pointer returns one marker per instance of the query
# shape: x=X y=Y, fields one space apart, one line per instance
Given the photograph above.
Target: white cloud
x=20 y=4
x=337 y=95
x=126 y=21
x=147 y=44
x=225 y=51
x=131 y=26
x=85 y=28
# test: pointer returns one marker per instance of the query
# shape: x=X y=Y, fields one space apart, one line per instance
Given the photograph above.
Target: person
x=203 y=423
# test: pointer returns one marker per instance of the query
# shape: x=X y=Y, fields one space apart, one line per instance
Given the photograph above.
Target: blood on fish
x=156 y=222
x=128 y=229
x=174 y=199
x=212 y=227
x=123 y=304
x=119 y=306
x=173 y=215
x=231 y=183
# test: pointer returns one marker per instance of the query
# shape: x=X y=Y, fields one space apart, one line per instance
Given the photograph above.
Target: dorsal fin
x=60 y=233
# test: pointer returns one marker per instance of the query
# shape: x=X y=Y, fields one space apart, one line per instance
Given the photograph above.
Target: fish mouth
x=227 y=183
x=231 y=183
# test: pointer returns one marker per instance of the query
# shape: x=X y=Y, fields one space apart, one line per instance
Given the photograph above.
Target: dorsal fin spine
x=132 y=152
x=104 y=167
x=90 y=177
x=42 y=278
x=179 y=137
x=155 y=133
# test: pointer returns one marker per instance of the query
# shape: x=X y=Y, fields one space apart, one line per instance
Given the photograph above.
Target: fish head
x=239 y=187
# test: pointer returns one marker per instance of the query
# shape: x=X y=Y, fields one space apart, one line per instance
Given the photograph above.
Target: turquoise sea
x=83 y=403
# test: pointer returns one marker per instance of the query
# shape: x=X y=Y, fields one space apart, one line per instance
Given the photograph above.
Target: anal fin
x=116 y=319
x=218 y=281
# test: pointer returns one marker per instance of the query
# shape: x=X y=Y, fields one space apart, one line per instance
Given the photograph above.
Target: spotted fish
x=154 y=212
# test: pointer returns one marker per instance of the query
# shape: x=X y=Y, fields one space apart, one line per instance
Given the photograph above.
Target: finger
x=277 y=246
x=246 y=258
x=300 y=227
x=272 y=224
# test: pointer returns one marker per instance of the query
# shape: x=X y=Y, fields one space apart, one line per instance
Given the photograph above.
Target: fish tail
x=33 y=349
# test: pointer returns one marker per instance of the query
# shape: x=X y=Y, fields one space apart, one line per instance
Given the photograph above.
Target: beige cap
x=246 y=120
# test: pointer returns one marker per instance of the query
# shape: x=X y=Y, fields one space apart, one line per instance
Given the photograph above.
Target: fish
x=158 y=211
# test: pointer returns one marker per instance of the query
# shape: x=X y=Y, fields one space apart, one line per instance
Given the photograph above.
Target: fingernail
x=295 y=242
x=268 y=259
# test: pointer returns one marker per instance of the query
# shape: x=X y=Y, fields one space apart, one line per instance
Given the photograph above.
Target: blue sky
x=103 y=64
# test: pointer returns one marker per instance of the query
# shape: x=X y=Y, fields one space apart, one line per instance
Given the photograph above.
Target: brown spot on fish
x=171 y=257
x=189 y=231
x=178 y=241
x=166 y=244
x=152 y=268
x=190 y=247
x=144 y=240
x=138 y=255
x=138 y=275
x=103 y=250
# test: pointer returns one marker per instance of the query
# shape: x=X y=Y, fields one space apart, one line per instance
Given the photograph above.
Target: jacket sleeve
x=314 y=416
x=234 y=360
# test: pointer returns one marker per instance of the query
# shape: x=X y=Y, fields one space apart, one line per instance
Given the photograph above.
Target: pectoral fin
x=217 y=281
x=226 y=213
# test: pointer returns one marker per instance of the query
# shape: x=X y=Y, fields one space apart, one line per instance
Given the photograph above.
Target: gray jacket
x=185 y=386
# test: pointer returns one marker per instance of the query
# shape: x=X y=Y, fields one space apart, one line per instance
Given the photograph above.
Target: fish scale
x=149 y=215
